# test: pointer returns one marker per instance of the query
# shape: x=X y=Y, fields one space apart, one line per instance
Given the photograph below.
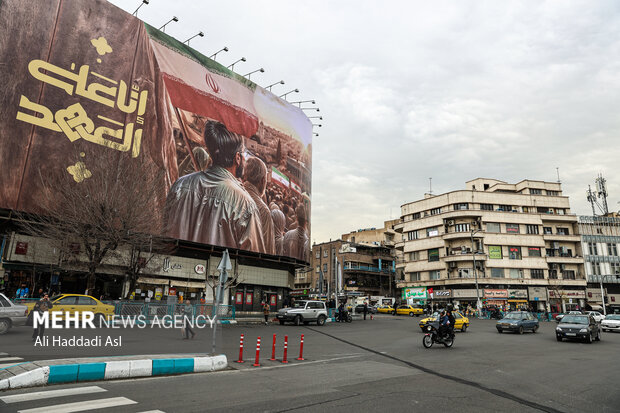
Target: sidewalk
x=43 y=372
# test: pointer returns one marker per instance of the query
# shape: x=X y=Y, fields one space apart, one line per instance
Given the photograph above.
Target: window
x=592 y=248
x=514 y=253
x=615 y=267
x=4 y=302
x=414 y=276
x=460 y=207
x=461 y=228
x=553 y=193
x=318 y=254
x=433 y=254
x=486 y=207
x=560 y=211
x=568 y=275
x=416 y=215
x=612 y=249
x=435 y=211
x=505 y=208
x=533 y=251
x=493 y=227
x=516 y=273
x=497 y=272
x=412 y=235
x=318 y=269
x=325 y=253
x=547 y=230
x=525 y=209
x=465 y=273
x=434 y=275
x=495 y=252
x=324 y=268
x=86 y=301
x=512 y=228
x=553 y=274
x=535 y=191
x=432 y=232
x=532 y=229
x=66 y=301
x=414 y=256
x=562 y=231
x=596 y=268
x=537 y=274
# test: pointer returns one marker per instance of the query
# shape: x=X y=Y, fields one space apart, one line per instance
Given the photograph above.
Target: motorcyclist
x=341 y=316
x=451 y=321
x=444 y=324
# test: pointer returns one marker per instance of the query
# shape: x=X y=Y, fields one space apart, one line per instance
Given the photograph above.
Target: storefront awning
x=187 y=284
x=154 y=281
x=517 y=301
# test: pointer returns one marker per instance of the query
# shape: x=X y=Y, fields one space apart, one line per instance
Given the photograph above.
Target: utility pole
x=473 y=254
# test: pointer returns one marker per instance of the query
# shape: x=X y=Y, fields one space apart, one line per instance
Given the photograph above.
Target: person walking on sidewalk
x=188 y=315
x=266 y=312
x=42 y=306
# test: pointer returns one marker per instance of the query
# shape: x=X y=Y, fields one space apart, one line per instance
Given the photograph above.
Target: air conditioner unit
x=450 y=222
x=452 y=265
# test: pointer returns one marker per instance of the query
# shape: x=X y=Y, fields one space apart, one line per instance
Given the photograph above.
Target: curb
x=110 y=370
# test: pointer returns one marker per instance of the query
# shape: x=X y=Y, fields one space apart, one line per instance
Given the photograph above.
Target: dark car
x=578 y=327
x=360 y=309
x=517 y=321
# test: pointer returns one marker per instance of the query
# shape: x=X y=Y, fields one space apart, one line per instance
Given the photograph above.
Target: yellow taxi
x=77 y=303
x=409 y=310
x=386 y=309
x=460 y=321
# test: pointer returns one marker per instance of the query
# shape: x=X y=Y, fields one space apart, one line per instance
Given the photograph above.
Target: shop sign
x=464 y=293
x=172 y=291
x=517 y=293
x=167 y=266
x=415 y=293
x=299 y=292
x=495 y=252
x=443 y=293
x=537 y=293
x=21 y=248
x=199 y=269
x=496 y=293
x=593 y=294
x=566 y=294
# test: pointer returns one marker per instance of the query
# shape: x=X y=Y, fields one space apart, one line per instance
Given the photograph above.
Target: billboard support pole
x=223 y=266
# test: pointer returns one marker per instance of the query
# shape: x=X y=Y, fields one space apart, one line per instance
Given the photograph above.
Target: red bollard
x=257 y=353
x=241 y=350
x=284 y=360
x=301 y=349
x=273 y=349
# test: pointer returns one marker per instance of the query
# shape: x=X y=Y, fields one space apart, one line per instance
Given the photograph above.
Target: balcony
x=366 y=268
x=468 y=256
x=564 y=259
x=459 y=235
x=562 y=238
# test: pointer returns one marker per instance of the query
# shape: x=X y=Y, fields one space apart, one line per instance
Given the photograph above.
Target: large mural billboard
x=86 y=75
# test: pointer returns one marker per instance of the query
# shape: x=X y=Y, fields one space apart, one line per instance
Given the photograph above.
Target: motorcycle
x=432 y=336
x=346 y=316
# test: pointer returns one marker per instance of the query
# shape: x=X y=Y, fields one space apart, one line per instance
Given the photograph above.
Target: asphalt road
x=362 y=366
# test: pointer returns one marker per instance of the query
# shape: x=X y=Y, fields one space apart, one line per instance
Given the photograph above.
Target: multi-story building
x=518 y=243
x=368 y=267
x=600 y=238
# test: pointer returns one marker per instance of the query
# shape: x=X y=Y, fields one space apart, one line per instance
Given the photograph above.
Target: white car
x=598 y=317
x=11 y=315
x=611 y=323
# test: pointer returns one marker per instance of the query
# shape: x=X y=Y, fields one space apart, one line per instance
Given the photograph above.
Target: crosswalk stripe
x=39 y=395
x=81 y=406
x=10 y=358
x=153 y=411
x=4 y=354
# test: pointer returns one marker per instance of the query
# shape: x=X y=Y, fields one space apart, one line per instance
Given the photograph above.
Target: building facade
x=600 y=239
x=518 y=242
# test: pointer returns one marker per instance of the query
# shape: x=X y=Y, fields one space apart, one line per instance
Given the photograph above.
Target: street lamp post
x=232 y=65
x=201 y=34
x=249 y=75
x=473 y=254
x=214 y=55
x=163 y=27
x=289 y=92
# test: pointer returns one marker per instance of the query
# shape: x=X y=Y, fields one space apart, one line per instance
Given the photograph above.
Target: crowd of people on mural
x=228 y=203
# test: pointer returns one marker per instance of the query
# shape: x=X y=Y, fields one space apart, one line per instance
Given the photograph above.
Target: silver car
x=11 y=314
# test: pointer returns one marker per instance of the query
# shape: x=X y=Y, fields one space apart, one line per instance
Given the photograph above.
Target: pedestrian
x=42 y=306
x=188 y=315
x=266 y=312
x=22 y=292
x=365 y=309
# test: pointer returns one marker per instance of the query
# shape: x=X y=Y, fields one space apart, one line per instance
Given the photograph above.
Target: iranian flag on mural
x=279 y=178
x=295 y=187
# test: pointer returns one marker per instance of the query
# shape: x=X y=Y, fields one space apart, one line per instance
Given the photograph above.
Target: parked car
x=410 y=310
x=77 y=303
x=559 y=317
x=304 y=312
x=597 y=316
x=611 y=323
x=386 y=309
x=360 y=309
x=460 y=321
x=11 y=315
x=578 y=327
x=518 y=322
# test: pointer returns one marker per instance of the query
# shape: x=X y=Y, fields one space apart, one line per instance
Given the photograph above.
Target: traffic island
x=41 y=373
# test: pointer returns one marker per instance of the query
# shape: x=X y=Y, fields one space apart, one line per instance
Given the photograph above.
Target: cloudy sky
x=409 y=90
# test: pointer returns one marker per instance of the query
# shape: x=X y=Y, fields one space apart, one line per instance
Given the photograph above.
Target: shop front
x=594 y=300
x=495 y=298
x=561 y=301
x=415 y=295
x=537 y=297
x=465 y=298
x=517 y=300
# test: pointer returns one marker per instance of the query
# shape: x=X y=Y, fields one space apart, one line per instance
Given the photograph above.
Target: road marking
x=153 y=411
x=39 y=395
x=4 y=354
x=82 y=406
x=4 y=366
x=10 y=358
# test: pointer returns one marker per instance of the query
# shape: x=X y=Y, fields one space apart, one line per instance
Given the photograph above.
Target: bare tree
x=233 y=281
x=103 y=201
